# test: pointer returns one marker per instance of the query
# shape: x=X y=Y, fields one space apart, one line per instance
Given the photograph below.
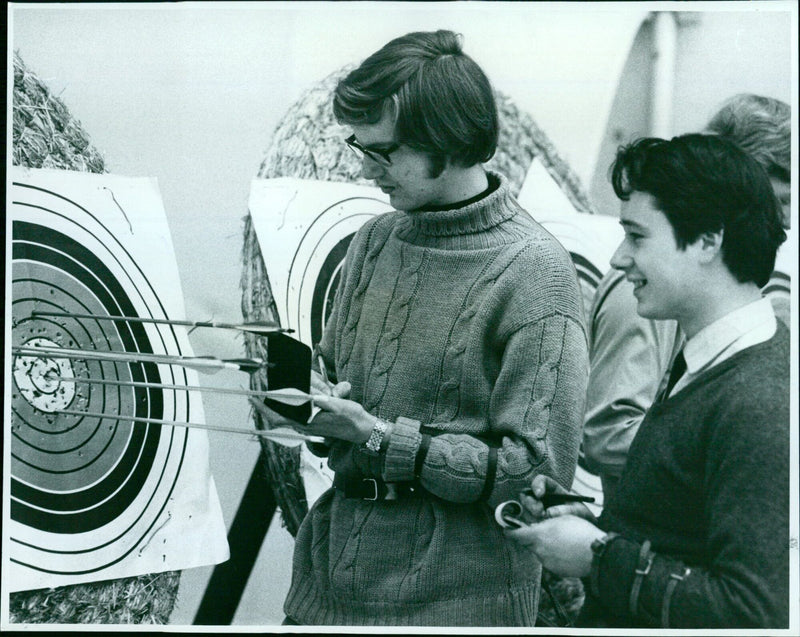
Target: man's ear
x=710 y=245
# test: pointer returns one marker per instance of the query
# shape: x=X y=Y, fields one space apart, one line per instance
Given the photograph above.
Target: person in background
x=630 y=354
x=458 y=332
x=696 y=534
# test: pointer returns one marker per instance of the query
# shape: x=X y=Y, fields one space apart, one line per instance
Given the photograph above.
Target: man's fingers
x=272 y=417
x=341 y=390
x=318 y=384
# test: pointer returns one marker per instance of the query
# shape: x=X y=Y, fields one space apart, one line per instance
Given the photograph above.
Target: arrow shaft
x=260 y=327
x=131 y=383
x=263 y=433
x=213 y=364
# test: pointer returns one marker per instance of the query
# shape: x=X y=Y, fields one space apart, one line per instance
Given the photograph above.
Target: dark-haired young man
x=697 y=532
x=630 y=354
x=458 y=329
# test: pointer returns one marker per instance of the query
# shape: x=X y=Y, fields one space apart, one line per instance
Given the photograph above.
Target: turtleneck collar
x=492 y=219
x=492 y=184
x=478 y=215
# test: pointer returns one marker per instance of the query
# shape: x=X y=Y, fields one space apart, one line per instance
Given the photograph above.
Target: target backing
x=99 y=497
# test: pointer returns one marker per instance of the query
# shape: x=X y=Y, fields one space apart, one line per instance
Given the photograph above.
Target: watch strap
x=373 y=443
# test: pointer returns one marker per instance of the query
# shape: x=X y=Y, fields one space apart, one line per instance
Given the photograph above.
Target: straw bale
x=147 y=599
x=45 y=135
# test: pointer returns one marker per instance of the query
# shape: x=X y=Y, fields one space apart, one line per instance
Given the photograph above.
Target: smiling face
x=667 y=280
x=407 y=178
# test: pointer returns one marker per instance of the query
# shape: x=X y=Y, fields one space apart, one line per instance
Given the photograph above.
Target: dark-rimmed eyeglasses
x=378 y=155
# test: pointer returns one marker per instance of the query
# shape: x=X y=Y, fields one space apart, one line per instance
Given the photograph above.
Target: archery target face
x=88 y=493
x=304 y=229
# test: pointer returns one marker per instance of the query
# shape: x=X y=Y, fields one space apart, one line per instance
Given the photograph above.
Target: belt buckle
x=374 y=485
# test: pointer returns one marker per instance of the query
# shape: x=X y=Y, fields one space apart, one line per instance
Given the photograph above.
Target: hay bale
x=45 y=135
x=307 y=144
x=147 y=599
x=282 y=463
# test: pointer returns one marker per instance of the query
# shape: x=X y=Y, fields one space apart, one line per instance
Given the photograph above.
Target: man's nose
x=621 y=260
x=370 y=168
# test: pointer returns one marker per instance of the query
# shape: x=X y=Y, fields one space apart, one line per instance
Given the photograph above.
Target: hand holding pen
x=320 y=383
x=535 y=504
x=547 y=499
x=554 y=499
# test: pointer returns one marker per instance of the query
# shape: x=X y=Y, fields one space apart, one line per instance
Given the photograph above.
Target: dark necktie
x=678 y=368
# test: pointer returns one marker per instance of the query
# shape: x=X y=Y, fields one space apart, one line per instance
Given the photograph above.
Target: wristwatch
x=373 y=444
x=599 y=545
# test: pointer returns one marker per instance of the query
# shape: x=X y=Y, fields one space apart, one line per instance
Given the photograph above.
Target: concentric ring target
x=591 y=241
x=86 y=491
x=315 y=267
x=325 y=288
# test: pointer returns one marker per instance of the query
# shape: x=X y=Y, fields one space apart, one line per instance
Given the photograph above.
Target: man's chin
x=649 y=312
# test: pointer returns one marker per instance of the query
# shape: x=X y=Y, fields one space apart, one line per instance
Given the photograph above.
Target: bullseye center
x=43 y=380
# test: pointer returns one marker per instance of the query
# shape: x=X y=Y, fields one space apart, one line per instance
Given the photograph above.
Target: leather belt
x=374 y=489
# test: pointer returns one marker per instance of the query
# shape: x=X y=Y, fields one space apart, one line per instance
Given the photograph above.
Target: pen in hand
x=323 y=370
x=554 y=499
x=326 y=387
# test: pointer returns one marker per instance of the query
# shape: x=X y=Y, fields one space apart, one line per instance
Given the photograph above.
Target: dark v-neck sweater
x=707 y=482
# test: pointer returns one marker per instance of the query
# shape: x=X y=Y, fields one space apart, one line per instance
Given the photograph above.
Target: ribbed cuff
x=402 y=450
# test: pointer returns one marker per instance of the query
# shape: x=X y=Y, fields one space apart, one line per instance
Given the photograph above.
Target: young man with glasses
x=458 y=331
x=696 y=534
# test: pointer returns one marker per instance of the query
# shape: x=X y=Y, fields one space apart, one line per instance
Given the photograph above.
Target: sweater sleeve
x=536 y=405
x=744 y=581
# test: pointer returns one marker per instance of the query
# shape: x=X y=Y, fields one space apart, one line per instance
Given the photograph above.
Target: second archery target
x=304 y=228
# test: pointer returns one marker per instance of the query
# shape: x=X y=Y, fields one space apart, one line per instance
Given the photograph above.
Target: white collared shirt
x=750 y=325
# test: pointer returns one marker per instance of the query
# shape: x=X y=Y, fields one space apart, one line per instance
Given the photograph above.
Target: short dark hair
x=760 y=126
x=442 y=102
x=706 y=183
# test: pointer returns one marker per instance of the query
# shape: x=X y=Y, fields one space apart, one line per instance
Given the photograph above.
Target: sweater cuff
x=402 y=450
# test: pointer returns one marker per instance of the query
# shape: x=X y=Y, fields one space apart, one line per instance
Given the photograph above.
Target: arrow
x=205 y=364
x=255 y=327
x=290 y=396
x=281 y=435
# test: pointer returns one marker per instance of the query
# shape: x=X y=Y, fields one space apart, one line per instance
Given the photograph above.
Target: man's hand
x=563 y=544
x=341 y=418
x=323 y=387
x=541 y=485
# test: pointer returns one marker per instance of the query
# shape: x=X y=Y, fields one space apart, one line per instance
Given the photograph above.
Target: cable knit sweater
x=469 y=322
